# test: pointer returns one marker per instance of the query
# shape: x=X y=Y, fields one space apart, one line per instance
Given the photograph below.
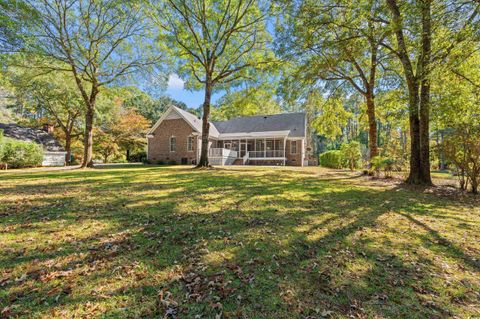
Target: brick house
x=256 y=140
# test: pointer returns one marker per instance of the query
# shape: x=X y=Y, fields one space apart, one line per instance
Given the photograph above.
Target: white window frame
x=291 y=147
x=170 y=144
x=190 y=143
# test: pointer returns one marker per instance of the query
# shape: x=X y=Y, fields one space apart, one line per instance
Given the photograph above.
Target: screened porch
x=258 y=149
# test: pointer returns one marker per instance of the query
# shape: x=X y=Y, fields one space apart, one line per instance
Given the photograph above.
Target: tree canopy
x=394 y=76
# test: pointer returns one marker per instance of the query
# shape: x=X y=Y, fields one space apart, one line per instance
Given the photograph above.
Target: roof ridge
x=265 y=115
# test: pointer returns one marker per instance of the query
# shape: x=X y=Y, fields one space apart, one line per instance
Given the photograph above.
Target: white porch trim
x=252 y=135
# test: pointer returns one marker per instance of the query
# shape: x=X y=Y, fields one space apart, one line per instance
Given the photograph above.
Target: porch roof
x=252 y=135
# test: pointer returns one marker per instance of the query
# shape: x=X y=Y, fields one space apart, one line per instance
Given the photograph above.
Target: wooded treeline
x=399 y=77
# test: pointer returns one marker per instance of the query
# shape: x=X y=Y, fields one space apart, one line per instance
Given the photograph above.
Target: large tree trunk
x=425 y=95
x=418 y=92
x=68 y=147
x=205 y=125
x=88 y=138
x=474 y=184
x=415 y=176
x=441 y=151
x=372 y=124
x=370 y=97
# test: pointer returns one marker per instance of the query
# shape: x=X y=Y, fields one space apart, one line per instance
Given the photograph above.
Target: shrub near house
x=332 y=159
x=18 y=154
x=349 y=156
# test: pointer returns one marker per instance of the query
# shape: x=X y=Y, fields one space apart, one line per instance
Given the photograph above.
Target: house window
x=190 y=144
x=173 y=144
x=293 y=147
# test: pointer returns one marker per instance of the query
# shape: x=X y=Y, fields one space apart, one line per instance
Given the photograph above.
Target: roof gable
x=174 y=112
x=191 y=119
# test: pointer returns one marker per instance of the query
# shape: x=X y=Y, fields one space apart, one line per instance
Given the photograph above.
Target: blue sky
x=177 y=91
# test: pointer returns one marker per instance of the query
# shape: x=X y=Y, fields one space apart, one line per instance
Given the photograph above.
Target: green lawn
x=145 y=242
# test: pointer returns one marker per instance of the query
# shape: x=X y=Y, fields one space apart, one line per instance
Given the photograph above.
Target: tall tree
x=337 y=41
x=55 y=98
x=417 y=81
x=412 y=26
x=98 y=41
x=218 y=42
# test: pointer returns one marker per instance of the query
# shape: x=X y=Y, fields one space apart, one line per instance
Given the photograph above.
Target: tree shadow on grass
x=261 y=244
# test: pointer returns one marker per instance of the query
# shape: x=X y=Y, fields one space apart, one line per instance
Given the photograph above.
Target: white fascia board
x=266 y=134
x=296 y=138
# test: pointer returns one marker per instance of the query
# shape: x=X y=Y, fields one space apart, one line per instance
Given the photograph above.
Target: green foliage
x=257 y=100
x=19 y=154
x=172 y=162
x=14 y=16
x=139 y=157
x=331 y=118
x=149 y=107
x=160 y=162
x=384 y=164
x=217 y=42
x=352 y=154
x=456 y=115
x=349 y=156
x=332 y=159
x=462 y=148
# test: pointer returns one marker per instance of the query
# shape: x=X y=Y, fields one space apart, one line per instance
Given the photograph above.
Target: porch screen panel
x=259 y=145
x=278 y=145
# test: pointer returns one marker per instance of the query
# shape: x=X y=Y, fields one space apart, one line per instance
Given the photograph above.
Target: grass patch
x=145 y=241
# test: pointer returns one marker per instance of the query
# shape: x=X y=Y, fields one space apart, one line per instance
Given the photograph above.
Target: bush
x=351 y=154
x=332 y=159
x=462 y=148
x=384 y=164
x=172 y=162
x=138 y=157
x=119 y=159
x=160 y=162
x=19 y=154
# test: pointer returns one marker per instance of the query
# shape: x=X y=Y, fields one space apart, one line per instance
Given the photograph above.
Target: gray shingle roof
x=294 y=122
x=35 y=135
x=195 y=121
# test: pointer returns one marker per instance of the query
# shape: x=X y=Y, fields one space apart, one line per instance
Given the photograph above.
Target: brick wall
x=159 y=144
x=294 y=159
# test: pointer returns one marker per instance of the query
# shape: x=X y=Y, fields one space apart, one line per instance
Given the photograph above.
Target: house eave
x=162 y=118
x=265 y=134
